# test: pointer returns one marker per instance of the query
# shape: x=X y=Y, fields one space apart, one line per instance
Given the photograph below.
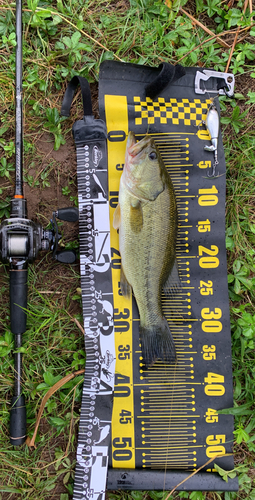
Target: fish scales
x=147 y=221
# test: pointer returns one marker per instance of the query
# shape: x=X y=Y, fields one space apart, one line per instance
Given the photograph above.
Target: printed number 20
x=208 y=262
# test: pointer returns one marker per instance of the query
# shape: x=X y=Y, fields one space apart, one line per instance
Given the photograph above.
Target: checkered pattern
x=181 y=111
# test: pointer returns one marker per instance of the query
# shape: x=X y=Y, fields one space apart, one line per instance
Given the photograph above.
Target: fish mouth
x=137 y=151
x=135 y=148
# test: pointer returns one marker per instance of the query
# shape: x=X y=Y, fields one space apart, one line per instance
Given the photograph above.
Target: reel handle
x=18 y=307
x=70 y=214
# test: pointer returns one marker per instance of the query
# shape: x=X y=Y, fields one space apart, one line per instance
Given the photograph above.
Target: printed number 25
x=206 y=288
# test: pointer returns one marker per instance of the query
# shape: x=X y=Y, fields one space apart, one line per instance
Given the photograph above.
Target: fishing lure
x=212 y=124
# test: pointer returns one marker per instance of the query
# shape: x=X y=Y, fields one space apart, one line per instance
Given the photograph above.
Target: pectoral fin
x=117 y=217
x=136 y=217
x=124 y=285
x=172 y=283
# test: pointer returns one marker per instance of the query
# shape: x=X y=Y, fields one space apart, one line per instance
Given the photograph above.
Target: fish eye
x=153 y=155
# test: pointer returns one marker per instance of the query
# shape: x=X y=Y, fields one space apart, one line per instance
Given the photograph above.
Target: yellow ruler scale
x=123 y=407
x=160 y=396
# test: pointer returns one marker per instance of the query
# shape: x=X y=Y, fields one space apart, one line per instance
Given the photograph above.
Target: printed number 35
x=124 y=352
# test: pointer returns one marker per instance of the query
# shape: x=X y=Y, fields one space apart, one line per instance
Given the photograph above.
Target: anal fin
x=173 y=284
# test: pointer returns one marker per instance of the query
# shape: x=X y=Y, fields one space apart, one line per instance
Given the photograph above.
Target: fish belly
x=148 y=255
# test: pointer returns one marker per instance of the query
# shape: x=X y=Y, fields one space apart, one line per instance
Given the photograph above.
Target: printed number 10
x=208 y=197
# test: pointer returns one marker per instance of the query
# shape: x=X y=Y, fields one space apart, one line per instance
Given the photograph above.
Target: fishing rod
x=20 y=241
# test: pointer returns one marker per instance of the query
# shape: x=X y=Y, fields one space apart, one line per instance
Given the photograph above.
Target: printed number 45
x=125 y=417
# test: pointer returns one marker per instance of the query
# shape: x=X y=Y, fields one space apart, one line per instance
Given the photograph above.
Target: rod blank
x=19 y=120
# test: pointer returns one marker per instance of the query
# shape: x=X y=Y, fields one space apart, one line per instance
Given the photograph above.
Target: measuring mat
x=161 y=423
x=165 y=417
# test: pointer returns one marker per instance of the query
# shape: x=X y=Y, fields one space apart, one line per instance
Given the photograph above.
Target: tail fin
x=157 y=343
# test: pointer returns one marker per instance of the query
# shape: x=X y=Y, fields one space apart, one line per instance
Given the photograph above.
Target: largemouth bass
x=146 y=218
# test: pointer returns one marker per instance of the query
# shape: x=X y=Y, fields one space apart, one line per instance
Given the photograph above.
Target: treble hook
x=213 y=174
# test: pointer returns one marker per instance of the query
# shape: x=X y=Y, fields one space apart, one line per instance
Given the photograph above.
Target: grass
x=67 y=37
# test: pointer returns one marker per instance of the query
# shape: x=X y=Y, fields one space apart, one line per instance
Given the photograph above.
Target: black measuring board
x=165 y=420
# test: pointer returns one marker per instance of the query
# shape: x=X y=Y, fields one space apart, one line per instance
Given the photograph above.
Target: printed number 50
x=215 y=445
x=122 y=444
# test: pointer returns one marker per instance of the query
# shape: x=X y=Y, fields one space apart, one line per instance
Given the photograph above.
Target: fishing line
x=169 y=426
x=171 y=403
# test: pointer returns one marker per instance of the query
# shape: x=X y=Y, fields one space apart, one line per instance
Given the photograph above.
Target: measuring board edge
x=138 y=479
x=97 y=305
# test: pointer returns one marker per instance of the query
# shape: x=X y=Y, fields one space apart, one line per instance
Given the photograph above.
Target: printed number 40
x=214 y=384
